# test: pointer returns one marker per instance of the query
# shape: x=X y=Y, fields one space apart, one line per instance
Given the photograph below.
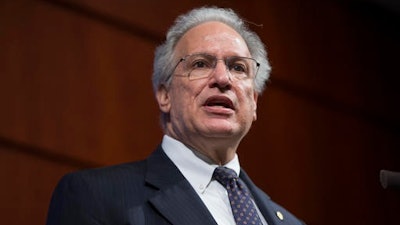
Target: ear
x=255 y=98
x=163 y=99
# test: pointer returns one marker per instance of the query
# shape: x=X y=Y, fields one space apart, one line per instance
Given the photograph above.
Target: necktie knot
x=224 y=175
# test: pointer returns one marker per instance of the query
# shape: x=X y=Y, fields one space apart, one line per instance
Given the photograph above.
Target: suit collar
x=176 y=200
x=161 y=172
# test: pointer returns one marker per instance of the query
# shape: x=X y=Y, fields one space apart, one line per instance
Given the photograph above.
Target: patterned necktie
x=243 y=208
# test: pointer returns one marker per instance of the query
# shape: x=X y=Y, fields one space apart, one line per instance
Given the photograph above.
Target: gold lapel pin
x=279 y=215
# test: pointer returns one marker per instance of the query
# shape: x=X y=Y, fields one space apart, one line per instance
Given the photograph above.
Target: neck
x=217 y=148
x=213 y=149
x=216 y=156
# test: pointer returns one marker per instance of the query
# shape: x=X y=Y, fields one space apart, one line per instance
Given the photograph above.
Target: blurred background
x=75 y=93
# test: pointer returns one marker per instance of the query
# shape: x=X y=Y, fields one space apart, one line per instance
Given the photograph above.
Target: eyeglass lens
x=201 y=65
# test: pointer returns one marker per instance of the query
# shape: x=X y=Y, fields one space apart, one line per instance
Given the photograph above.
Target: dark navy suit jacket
x=148 y=192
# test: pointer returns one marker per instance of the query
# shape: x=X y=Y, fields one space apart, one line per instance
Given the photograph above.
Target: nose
x=220 y=76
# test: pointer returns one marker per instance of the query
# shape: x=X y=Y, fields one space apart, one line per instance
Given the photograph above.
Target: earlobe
x=255 y=106
x=163 y=99
x=255 y=115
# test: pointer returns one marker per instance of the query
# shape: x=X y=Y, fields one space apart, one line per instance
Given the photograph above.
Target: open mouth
x=219 y=101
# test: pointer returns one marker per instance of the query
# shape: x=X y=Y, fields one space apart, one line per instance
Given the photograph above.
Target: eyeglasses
x=201 y=65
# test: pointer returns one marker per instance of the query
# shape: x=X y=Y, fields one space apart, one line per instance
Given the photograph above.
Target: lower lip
x=219 y=110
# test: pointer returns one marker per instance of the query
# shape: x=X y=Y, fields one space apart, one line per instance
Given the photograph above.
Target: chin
x=221 y=128
x=222 y=131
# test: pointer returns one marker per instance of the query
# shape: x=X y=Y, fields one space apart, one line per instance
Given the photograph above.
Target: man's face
x=218 y=107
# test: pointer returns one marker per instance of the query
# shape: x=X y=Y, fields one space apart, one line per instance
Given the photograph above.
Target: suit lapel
x=181 y=206
x=176 y=200
x=262 y=200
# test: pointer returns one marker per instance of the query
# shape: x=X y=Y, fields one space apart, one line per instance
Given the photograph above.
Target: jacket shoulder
x=101 y=195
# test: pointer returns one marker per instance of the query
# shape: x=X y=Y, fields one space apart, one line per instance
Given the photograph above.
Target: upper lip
x=219 y=101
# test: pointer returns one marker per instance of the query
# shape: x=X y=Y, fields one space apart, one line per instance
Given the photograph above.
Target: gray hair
x=164 y=55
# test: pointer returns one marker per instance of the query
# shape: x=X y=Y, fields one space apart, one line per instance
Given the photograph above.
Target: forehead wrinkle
x=213 y=38
x=221 y=44
x=222 y=37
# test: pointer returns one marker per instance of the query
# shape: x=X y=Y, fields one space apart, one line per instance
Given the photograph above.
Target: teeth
x=218 y=105
x=215 y=102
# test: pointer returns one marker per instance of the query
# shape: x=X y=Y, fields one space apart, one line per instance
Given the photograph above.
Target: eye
x=199 y=61
x=238 y=67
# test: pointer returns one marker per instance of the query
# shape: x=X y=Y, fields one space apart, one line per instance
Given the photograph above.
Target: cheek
x=183 y=96
x=248 y=99
x=249 y=95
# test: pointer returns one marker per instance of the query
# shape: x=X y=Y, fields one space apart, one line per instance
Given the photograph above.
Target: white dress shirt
x=198 y=171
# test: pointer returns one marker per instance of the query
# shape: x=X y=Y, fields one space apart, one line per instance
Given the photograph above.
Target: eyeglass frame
x=215 y=60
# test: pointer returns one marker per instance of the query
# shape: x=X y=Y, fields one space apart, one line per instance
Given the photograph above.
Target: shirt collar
x=192 y=164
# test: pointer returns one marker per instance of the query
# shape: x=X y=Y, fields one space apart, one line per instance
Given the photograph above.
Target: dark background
x=75 y=92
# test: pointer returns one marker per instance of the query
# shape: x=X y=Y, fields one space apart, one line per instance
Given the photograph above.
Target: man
x=207 y=78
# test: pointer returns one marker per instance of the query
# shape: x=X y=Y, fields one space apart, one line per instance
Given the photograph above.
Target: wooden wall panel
x=73 y=85
x=340 y=53
x=153 y=16
x=27 y=183
x=318 y=162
